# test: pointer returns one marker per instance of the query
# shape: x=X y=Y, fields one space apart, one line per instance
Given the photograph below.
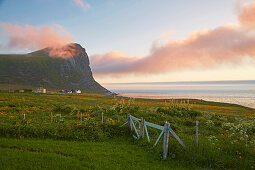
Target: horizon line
x=174 y=82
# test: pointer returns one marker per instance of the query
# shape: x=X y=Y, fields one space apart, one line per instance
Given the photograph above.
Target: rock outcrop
x=64 y=67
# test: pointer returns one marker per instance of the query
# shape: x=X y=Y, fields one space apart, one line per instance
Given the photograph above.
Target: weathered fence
x=166 y=129
x=140 y=132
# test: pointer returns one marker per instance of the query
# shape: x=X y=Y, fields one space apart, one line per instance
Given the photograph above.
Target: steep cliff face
x=65 y=67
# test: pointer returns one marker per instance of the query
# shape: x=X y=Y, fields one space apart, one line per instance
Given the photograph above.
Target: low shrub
x=179 y=112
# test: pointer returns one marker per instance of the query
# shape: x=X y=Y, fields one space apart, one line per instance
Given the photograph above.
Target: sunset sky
x=140 y=40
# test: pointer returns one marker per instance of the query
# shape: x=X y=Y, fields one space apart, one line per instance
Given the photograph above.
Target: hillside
x=39 y=68
x=75 y=137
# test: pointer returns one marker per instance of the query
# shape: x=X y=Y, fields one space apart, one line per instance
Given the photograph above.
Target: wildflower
x=209 y=123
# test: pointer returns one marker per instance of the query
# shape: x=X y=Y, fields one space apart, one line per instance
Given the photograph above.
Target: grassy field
x=70 y=140
x=117 y=153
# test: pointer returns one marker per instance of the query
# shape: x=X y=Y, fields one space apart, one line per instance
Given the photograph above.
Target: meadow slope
x=75 y=135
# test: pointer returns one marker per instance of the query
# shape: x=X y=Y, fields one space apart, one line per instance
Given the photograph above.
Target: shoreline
x=205 y=98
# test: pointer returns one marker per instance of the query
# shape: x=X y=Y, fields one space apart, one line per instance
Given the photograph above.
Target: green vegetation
x=37 y=69
x=117 y=153
x=75 y=137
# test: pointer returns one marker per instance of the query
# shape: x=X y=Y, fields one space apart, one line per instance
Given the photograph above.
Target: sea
x=240 y=92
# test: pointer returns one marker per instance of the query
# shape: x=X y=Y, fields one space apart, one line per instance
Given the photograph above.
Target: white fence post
x=129 y=123
x=24 y=116
x=166 y=139
x=197 y=132
x=77 y=115
x=245 y=131
x=102 y=118
x=141 y=122
x=81 y=117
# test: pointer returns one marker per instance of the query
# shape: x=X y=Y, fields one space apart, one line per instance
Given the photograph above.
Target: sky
x=140 y=40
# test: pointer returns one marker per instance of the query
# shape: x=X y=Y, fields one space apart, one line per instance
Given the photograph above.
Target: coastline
x=218 y=99
x=241 y=92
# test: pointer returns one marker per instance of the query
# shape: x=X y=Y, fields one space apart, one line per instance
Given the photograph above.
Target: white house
x=77 y=91
x=41 y=90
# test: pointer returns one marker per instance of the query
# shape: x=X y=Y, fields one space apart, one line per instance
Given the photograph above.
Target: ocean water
x=237 y=92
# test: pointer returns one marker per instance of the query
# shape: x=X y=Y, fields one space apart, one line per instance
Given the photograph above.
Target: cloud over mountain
x=35 y=37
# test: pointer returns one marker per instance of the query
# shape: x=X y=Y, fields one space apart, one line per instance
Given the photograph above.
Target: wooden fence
x=166 y=129
x=141 y=131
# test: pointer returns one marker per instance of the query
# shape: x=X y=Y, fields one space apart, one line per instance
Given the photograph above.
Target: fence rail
x=132 y=121
x=165 y=130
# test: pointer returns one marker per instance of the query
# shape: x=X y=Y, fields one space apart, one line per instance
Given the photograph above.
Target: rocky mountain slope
x=65 y=67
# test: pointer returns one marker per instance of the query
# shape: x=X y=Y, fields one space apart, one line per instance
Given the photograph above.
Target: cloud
x=228 y=44
x=113 y=62
x=35 y=37
x=82 y=4
x=247 y=15
x=65 y=51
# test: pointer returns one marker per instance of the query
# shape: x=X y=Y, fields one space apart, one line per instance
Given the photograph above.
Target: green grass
x=49 y=100
x=117 y=153
x=90 y=144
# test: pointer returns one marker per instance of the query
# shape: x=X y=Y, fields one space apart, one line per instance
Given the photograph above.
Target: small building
x=23 y=91
x=41 y=90
x=19 y=91
x=77 y=91
x=69 y=91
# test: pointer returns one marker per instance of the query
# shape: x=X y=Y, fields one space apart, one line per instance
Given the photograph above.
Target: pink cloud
x=112 y=62
x=82 y=4
x=247 y=15
x=201 y=50
x=31 y=37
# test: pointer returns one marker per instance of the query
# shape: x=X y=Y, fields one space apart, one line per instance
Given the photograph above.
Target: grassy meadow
x=75 y=138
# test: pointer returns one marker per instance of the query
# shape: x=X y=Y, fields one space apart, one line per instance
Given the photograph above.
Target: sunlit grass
x=224 y=129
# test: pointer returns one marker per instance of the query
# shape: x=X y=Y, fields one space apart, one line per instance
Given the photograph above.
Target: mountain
x=65 y=67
